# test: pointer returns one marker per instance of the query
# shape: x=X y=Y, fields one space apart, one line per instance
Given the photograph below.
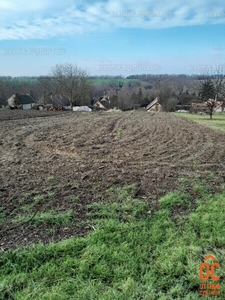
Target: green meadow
x=217 y=122
x=133 y=252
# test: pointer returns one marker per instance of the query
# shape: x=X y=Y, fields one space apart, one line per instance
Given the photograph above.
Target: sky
x=112 y=37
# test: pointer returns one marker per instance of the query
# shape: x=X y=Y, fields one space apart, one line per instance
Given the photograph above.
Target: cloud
x=44 y=19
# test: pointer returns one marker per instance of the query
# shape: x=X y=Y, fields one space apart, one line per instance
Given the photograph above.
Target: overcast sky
x=112 y=37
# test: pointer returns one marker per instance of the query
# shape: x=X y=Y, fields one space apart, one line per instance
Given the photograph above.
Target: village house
x=202 y=107
x=102 y=104
x=21 y=101
x=154 y=106
x=26 y=101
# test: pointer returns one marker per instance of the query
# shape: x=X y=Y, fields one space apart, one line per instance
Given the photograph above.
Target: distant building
x=13 y=101
x=102 y=104
x=202 y=107
x=220 y=106
x=26 y=101
x=154 y=105
x=21 y=101
x=198 y=107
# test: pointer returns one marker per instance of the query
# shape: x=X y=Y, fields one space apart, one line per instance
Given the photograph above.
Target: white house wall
x=28 y=106
x=218 y=109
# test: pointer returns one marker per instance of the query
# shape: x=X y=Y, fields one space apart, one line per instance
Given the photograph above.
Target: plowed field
x=62 y=162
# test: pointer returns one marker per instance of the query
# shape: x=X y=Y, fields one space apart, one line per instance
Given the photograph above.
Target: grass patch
x=27 y=207
x=133 y=253
x=74 y=198
x=51 y=179
x=218 y=121
x=53 y=218
x=38 y=198
x=50 y=194
x=75 y=187
x=50 y=218
x=172 y=200
x=27 y=196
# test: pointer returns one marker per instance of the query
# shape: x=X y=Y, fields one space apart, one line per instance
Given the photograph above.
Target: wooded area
x=68 y=85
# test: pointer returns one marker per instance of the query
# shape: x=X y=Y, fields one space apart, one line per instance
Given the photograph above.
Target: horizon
x=122 y=77
x=110 y=38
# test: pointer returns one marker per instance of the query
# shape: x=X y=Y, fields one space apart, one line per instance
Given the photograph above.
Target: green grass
x=27 y=196
x=172 y=200
x=38 y=198
x=50 y=218
x=134 y=252
x=50 y=194
x=74 y=198
x=28 y=207
x=51 y=179
x=218 y=121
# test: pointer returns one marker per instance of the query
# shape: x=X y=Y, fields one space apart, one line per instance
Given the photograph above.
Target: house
x=154 y=105
x=102 y=104
x=203 y=107
x=26 y=101
x=55 y=100
x=182 y=108
x=198 y=107
x=21 y=101
x=14 y=102
x=99 y=106
x=58 y=100
x=220 y=106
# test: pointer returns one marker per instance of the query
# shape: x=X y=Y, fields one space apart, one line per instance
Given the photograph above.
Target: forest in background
x=125 y=92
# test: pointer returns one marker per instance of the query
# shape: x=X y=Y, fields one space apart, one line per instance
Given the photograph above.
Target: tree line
x=68 y=84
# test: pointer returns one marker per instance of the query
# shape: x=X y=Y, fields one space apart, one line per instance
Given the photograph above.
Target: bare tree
x=125 y=100
x=211 y=104
x=71 y=82
x=166 y=97
x=113 y=96
x=3 y=92
x=46 y=88
x=212 y=88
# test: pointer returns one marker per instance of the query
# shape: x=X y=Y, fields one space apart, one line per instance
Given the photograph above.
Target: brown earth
x=64 y=161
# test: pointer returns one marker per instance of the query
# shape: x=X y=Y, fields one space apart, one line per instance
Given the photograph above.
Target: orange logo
x=206 y=272
x=209 y=270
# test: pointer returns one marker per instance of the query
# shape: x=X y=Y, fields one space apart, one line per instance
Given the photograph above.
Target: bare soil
x=70 y=160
